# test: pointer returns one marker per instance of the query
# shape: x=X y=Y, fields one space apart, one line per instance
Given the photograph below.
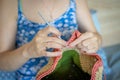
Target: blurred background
x=108 y=14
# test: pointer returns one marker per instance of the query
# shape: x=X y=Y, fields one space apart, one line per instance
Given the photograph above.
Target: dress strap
x=73 y=4
x=19 y=5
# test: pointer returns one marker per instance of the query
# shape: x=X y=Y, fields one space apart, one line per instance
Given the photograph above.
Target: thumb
x=80 y=39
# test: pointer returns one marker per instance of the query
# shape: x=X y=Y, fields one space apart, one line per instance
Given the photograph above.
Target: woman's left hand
x=88 y=42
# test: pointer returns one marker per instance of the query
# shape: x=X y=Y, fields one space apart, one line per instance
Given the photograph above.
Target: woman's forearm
x=12 y=60
x=84 y=18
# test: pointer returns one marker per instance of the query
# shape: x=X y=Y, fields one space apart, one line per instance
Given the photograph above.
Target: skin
x=89 y=41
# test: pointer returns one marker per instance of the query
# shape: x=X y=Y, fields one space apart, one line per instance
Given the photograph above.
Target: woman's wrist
x=26 y=51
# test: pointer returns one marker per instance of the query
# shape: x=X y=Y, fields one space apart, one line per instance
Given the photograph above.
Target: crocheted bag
x=72 y=65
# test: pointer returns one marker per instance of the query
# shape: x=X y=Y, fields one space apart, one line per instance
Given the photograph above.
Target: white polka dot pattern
x=27 y=29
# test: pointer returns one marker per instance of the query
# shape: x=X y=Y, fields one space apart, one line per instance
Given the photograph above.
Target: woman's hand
x=88 y=42
x=37 y=47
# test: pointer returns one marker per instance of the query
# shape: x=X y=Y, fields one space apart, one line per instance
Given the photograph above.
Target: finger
x=84 y=49
x=91 y=51
x=89 y=41
x=81 y=38
x=79 y=45
x=50 y=29
x=53 y=45
x=53 y=54
x=57 y=40
x=92 y=46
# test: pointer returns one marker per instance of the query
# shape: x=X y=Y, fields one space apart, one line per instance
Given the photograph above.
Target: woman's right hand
x=37 y=47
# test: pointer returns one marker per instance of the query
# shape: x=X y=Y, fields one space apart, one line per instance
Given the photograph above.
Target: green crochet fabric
x=68 y=68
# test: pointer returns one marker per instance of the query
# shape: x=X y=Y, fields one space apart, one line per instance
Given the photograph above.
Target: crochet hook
x=45 y=21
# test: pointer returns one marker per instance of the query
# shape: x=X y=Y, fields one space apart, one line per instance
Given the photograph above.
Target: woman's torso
x=29 y=23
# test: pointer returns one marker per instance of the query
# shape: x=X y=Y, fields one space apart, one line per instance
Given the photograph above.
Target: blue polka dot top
x=27 y=29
